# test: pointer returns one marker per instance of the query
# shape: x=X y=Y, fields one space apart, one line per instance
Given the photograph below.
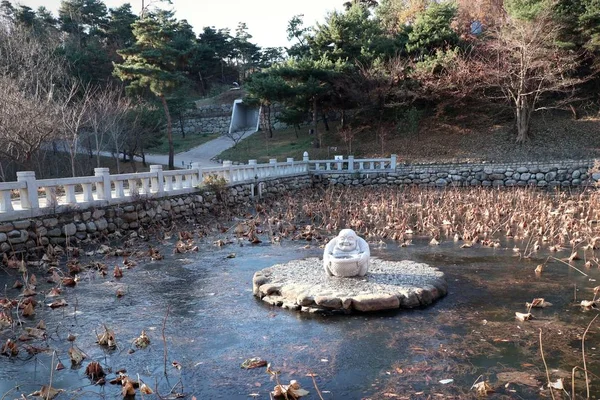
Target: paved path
x=202 y=154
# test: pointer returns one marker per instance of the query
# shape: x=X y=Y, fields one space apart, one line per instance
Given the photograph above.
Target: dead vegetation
x=565 y=224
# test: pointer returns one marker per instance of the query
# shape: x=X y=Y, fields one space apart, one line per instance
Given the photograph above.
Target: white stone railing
x=353 y=165
x=30 y=197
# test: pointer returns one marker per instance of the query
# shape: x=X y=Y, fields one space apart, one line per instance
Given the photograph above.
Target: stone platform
x=304 y=285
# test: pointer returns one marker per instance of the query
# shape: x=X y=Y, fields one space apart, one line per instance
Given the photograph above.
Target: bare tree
x=105 y=110
x=75 y=116
x=26 y=122
x=524 y=62
x=31 y=75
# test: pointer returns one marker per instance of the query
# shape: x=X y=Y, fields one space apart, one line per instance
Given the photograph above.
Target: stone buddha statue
x=346 y=255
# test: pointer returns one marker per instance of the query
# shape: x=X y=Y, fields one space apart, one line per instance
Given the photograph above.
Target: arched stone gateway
x=303 y=285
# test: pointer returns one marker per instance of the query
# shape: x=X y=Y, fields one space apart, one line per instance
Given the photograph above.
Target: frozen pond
x=215 y=323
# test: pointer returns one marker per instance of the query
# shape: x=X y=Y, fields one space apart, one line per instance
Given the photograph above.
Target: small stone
x=50 y=222
x=23 y=224
x=69 y=229
x=91 y=226
x=98 y=214
x=374 y=302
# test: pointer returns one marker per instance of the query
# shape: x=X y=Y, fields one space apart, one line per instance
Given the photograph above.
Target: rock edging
x=303 y=285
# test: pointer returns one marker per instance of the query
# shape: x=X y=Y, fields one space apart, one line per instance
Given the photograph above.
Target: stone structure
x=301 y=285
x=558 y=174
x=72 y=225
x=208 y=119
x=27 y=218
x=346 y=255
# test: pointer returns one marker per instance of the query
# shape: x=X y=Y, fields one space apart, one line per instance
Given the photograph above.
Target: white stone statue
x=346 y=255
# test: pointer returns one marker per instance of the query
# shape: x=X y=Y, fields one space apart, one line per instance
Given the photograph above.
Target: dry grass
x=481 y=216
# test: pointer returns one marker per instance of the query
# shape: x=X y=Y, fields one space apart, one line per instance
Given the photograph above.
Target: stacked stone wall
x=208 y=119
x=564 y=174
x=73 y=226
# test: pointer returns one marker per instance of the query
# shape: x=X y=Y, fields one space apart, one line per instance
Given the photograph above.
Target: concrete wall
x=244 y=117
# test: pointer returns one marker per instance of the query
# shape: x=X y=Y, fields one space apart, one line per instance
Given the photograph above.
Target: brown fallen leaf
x=523 y=316
x=58 y=303
x=254 y=362
x=68 y=281
x=538 y=303
x=33 y=350
x=588 y=304
x=539 y=269
x=47 y=392
x=145 y=389
x=28 y=311
x=17 y=285
x=10 y=348
x=76 y=355
x=28 y=292
x=127 y=389
x=558 y=384
x=107 y=338
x=292 y=391
x=117 y=273
x=142 y=341
x=55 y=291
x=94 y=371
x=482 y=388
x=36 y=333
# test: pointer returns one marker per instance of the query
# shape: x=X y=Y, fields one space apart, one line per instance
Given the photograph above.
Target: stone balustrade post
x=290 y=167
x=393 y=161
x=196 y=174
x=5 y=201
x=28 y=194
x=103 y=190
x=158 y=181
x=254 y=169
x=305 y=156
x=350 y=163
x=229 y=172
x=273 y=167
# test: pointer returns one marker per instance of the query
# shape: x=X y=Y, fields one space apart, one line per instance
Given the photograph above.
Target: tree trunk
x=169 y=133
x=523 y=117
x=133 y=163
x=97 y=151
x=315 y=115
x=325 y=122
x=180 y=117
x=269 y=125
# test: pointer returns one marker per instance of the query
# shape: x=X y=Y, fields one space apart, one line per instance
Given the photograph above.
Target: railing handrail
x=104 y=188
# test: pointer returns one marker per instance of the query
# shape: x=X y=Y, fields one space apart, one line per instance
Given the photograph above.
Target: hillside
x=555 y=136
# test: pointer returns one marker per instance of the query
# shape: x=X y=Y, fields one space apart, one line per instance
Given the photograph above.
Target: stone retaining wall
x=564 y=174
x=208 y=119
x=73 y=226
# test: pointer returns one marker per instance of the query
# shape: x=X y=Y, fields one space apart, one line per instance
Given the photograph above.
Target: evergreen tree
x=154 y=62
x=432 y=30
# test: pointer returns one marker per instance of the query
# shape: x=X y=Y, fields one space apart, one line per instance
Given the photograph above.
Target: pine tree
x=154 y=62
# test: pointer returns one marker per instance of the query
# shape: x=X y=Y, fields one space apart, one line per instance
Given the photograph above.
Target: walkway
x=202 y=154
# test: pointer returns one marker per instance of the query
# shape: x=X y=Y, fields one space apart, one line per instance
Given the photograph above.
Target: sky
x=266 y=19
